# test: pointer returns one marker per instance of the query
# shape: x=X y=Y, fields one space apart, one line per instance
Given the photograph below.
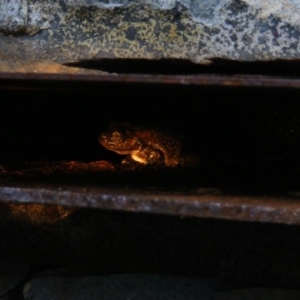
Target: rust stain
x=44 y=67
x=39 y=213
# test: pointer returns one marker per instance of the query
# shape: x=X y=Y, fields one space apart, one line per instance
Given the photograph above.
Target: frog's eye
x=116 y=137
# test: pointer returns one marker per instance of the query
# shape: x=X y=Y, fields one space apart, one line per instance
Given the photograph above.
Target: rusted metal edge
x=242 y=208
x=10 y=80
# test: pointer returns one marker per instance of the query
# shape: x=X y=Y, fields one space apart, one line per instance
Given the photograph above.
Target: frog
x=143 y=145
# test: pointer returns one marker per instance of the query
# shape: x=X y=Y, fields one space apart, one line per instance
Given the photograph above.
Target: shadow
x=186 y=67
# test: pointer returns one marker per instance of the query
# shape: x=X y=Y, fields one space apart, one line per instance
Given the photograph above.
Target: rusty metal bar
x=208 y=204
x=30 y=80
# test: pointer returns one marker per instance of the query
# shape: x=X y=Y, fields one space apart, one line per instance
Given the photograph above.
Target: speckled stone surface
x=71 y=30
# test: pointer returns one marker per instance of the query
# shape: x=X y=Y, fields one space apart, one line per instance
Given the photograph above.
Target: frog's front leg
x=128 y=160
x=148 y=156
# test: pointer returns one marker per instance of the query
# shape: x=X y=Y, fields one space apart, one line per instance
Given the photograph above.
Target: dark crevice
x=186 y=67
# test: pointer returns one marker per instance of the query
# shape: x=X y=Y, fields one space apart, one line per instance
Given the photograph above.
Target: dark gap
x=186 y=67
x=225 y=123
x=250 y=136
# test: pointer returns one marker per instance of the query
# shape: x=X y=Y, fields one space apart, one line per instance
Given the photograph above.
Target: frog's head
x=119 y=138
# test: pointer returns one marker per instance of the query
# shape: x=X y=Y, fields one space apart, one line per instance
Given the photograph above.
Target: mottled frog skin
x=143 y=145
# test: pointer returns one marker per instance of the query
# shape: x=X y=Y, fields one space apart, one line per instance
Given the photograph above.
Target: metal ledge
x=208 y=205
x=184 y=192
x=31 y=81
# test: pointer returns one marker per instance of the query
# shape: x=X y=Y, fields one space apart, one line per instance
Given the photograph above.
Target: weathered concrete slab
x=71 y=30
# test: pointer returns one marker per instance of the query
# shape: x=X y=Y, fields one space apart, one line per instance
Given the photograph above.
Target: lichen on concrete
x=71 y=30
x=26 y=16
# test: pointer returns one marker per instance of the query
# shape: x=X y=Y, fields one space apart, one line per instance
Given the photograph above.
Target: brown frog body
x=142 y=145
